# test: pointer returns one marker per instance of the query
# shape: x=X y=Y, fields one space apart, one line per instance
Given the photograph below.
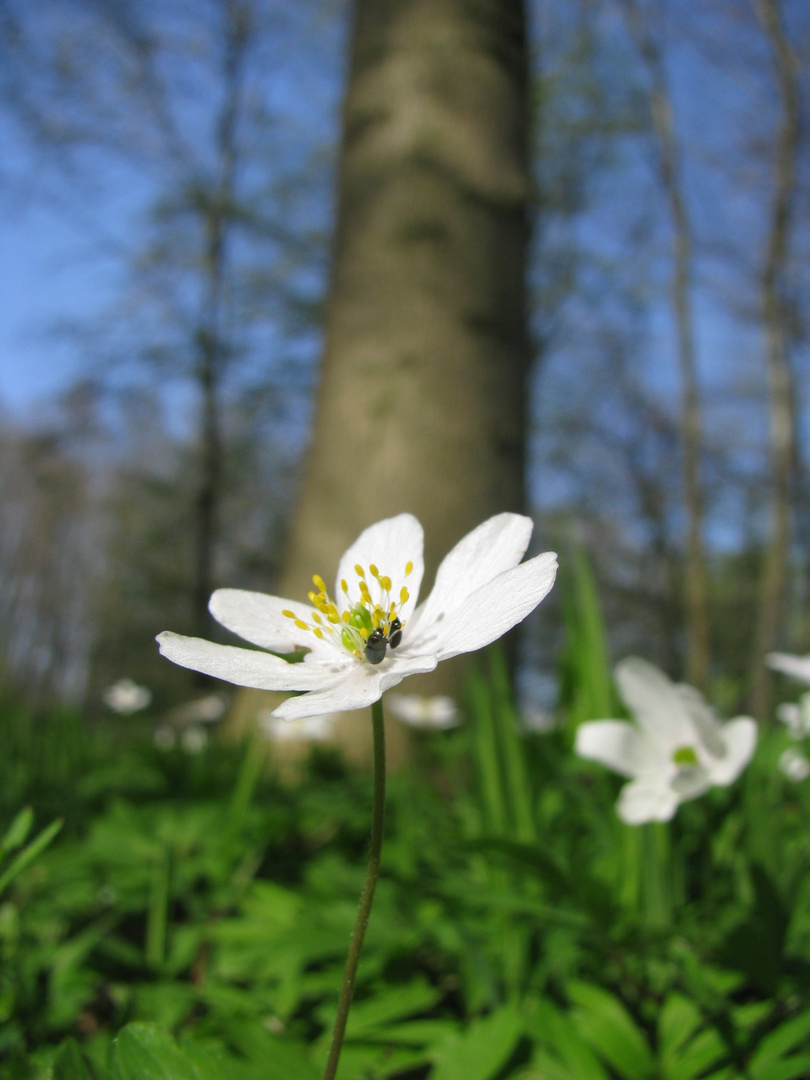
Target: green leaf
x=70 y=1063
x=611 y=1032
x=385 y=1006
x=28 y=854
x=796 y=1067
x=17 y=831
x=785 y=1038
x=678 y=1021
x=481 y=1050
x=147 y=1052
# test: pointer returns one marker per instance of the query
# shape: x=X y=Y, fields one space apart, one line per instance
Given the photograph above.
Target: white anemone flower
x=675 y=751
x=794 y=765
x=431 y=713
x=797 y=667
x=796 y=715
x=126 y=697
x=372 y=635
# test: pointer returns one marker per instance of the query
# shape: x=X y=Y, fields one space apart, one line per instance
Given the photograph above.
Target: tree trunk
x=780 y=380
x=423 y=391
x=698 y=649
x=211 y=348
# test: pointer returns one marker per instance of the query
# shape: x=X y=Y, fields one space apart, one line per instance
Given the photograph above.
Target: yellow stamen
x=316 y=618
x=358 y=569
x=319 y=582
x=374 y=571
x=344 y=585
x=404 y=595
x=345 y=616
x=385 y=583
x=318 y=633
x=408 y=568
x=290 y=614
x=301 y=624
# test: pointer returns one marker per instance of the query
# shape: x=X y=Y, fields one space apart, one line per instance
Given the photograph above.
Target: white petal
x=494 y=546
x=437 y=712
x=798 y=667
x=390 y=545
x=489 y=612
x=246 y=667
x=647 y=799
x=690 y=781
x=657 y=705
x=739 y=739
x=613 y=743
x=703 y=717
x=358 y=686
x=257 y=618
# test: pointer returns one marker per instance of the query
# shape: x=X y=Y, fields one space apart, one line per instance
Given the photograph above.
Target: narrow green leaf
x=17 y=831
x=28 y=854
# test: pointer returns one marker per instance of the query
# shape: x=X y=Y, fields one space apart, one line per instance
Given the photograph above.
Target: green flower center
x=367 y=626
x=685 y=755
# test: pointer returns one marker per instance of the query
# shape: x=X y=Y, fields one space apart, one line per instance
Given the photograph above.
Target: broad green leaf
x=395 y=1003
x=611 y=1032
x=147 y=1052
x=481 y=1050
x=796 y=1067
x=678 y=1020
x=777 y=1043
x=70 y=1063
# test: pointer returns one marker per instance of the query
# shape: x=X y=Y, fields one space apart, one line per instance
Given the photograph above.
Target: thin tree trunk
x=698 y=646
x=780 y=382
x=210 y=344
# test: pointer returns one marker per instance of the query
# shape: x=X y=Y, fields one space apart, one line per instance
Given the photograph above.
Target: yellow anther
x=317 y=632
x=358 y=569
x=385 y=583
x=290 y=614
x=392 y=612
x=344 y=585
x=312 y=597
x=374 y=571
x=364 y=633
x=375 y=617
x=404 y=595
x=345 y=616
x=365 y=594
x=408 y=568
x=301 y=624
x=333 y=617
x=316 y=618
x=319 y=582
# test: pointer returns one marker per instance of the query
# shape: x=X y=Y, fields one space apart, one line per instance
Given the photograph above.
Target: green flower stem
x=366 y=896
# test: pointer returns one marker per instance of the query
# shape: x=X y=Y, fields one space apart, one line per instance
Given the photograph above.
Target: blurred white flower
x=164 y=737
x=797 y=667
x=796 y=716
x=194 y=739
x=535 y=720
x=126 y=697
x=309 y=729
x=204 y=710
x=675 y=751
x=373 y=635
x=794 y=765
x=436 y=713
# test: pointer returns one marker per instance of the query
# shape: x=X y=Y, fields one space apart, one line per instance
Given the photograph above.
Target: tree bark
x=423 y=391
x=698 y=646
x=780 y=379
x=217 y=211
